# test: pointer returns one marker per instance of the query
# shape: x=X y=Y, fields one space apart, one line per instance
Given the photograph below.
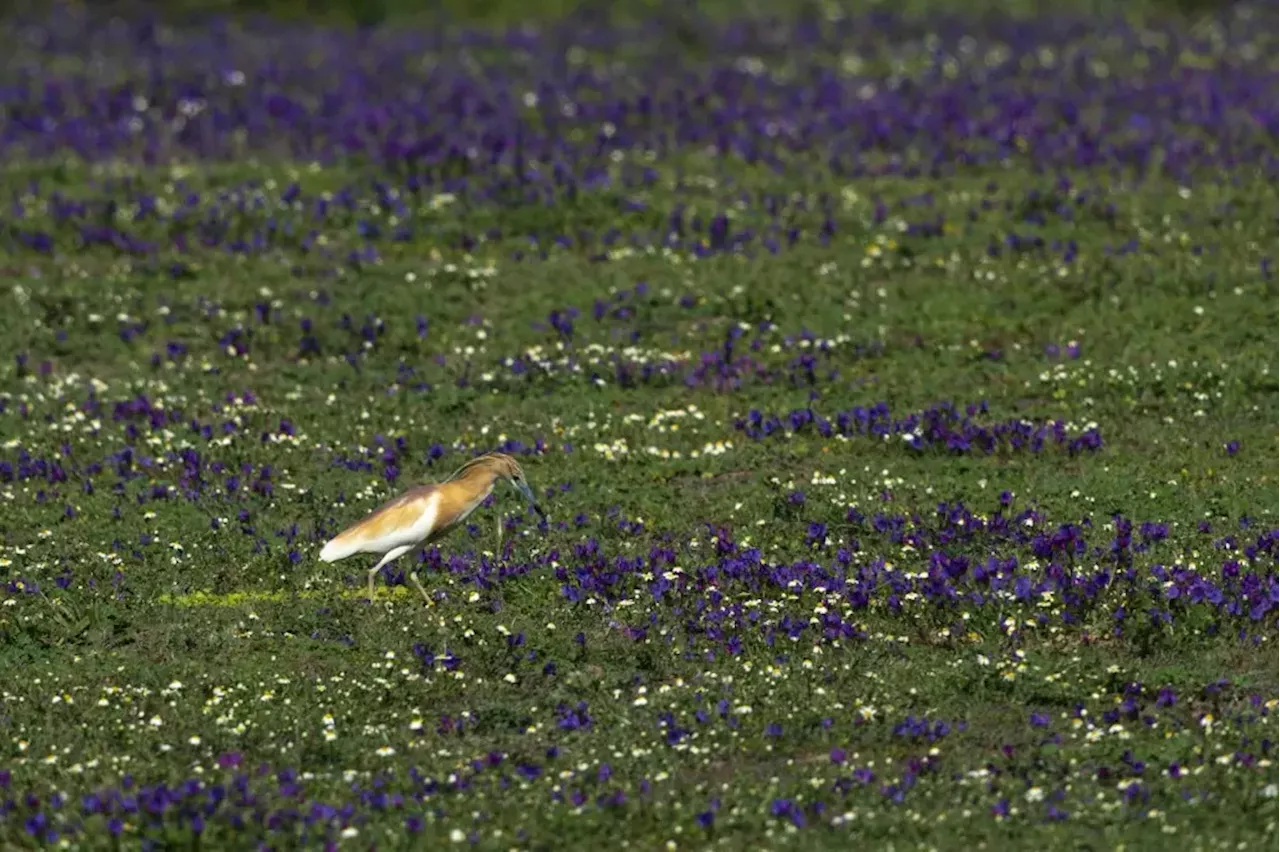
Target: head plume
x=499 y=463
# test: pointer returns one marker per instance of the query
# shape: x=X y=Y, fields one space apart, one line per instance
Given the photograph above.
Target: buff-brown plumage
x=425 y=513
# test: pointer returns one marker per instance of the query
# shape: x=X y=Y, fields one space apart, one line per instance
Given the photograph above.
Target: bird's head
x=501 y=465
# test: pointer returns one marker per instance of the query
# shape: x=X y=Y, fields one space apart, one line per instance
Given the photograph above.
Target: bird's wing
x=398 y=521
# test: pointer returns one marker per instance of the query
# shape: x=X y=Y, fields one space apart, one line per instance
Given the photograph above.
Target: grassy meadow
x=900 y=384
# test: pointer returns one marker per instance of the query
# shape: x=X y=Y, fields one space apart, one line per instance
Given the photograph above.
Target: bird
x=425 y=513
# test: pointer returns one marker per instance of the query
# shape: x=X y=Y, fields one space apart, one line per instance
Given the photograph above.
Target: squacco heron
x=426 y=513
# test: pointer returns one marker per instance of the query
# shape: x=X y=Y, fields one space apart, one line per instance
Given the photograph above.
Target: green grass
x=517 y=13
x=1172 y=367
x=178 y=640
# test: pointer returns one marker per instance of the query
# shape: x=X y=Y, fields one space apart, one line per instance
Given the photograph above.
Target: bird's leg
x=391 y=555
x=413 y=578
x=498 y=550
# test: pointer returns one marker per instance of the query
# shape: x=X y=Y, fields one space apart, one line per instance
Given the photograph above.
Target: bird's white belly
x=426 y=523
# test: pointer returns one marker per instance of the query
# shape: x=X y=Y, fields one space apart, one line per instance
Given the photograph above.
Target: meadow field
x=899 y=381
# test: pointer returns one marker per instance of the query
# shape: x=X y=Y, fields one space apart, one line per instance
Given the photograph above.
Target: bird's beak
x=533 y=502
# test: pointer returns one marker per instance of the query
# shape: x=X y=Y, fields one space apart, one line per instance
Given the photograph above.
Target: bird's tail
x=338 y=547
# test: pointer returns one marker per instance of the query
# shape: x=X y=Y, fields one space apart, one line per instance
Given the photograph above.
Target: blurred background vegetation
x=499 y=13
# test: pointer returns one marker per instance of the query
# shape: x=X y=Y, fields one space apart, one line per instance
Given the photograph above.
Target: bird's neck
x=479 y=482
x=477 y=488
